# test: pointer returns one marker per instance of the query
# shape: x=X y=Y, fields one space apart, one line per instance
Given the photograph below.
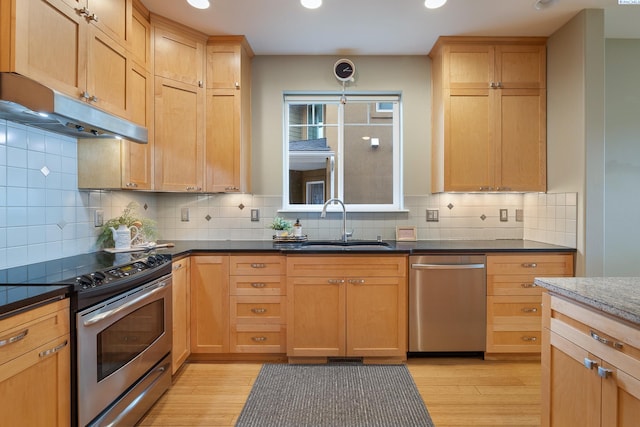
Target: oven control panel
x=122 y=272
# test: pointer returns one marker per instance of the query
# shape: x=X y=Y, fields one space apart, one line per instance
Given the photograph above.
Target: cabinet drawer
x=517 y=284
x=258 y=285
x=514 y=310
x=352 y=266
x=258 y=310
x=511 y=340
x=258 y=339
x=252 y=265
x=31 y=329
x=530 y=264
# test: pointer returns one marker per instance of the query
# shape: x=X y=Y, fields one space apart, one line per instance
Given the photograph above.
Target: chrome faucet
x=345 y=235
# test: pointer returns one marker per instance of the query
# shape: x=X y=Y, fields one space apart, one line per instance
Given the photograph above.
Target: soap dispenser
x=297 y=228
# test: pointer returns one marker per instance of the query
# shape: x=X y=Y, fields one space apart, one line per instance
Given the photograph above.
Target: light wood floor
x=457 y=392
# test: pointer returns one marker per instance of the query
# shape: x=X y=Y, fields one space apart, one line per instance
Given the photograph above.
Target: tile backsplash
x=44 y=216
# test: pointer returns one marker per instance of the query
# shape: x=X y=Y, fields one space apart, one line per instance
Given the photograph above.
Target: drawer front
x=258 y=285
x=257 y=265
x=513 y=285
x=258 y=310
x=258 y=339
x=352 y=266
x=514 y=310
x=530 y=264
x=29 y=330
x=513 y=341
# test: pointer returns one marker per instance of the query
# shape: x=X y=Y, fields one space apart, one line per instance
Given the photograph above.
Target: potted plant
x=281 y=226
x=147 y=227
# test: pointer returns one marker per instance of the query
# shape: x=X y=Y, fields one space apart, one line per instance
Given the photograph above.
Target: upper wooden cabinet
x=228 y=133
x=489 y=114
x=179 y=129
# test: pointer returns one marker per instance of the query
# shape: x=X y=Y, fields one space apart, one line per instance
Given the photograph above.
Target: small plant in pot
x=146 y=227
x=281 y=226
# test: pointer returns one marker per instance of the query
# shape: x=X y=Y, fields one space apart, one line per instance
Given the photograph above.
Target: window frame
x=336 y=98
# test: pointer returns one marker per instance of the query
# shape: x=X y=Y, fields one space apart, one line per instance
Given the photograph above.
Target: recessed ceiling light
x=311 y=4
x=199 y=4
x=542 y=4
x=434 y=4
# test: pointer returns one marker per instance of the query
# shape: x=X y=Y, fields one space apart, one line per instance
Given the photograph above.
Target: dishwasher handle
x=446 y=266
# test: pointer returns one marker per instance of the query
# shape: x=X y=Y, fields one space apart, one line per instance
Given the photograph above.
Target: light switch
x=255 y=215
x=504 y=215
x=184 y=215
x=98 y=218
x=432 y=215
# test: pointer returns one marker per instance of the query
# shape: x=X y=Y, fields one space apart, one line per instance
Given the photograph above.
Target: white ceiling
x=383 y=27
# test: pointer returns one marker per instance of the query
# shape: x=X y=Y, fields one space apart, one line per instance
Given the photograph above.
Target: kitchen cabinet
x=514 y=302
x=68 y=49
x=35 y=367
x=181 y=306
x=353 y=306
x=590 y=367
x=179 y=123
x=209 y=304
x=257 y=303
x=228 y=133
x=489 y=114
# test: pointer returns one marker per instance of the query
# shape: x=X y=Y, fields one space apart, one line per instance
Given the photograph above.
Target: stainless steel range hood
x=28 y=102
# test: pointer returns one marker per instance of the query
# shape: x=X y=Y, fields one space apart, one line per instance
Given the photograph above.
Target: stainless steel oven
x=123 y=345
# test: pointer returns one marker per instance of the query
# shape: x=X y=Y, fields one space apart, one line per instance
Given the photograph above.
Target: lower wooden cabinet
x=35 y=378
x=514 y=301
x=353 y=306
x=181 y=305
x=590 y=367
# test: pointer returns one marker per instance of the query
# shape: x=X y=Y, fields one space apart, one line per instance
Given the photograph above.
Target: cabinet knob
x=529 y=338
x=530 y=310
x=51 y=351
x=258 y=285
x=259 y=310
x=258 y=265
x=14 y=338
x=528 y=285
x=604 y=373
x=131 y=185
x=335 y=281
x=259 y=339
x=193 y=188
x=85 y=95
x=237 y=84
x=589 y=364
x=177 y=267
x=529 y=265
x=605 y=341
x=93 y=98
x=200 y=83
x=356 y=281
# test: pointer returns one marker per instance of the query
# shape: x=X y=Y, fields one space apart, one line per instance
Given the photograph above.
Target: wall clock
x=344 y=70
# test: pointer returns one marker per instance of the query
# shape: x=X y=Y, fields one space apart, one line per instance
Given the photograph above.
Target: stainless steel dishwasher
x=447 y=303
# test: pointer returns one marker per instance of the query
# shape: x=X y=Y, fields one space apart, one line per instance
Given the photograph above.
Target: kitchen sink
x=317 y=245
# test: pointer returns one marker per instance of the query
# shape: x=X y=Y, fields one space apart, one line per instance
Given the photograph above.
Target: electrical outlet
x=184 y=214
x=432 y=215
x=98 y=218
x=504 y=215
x=255 y=215
x=519 y=215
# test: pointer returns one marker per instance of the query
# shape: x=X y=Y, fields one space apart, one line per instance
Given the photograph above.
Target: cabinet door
x=181 y=301
x=179 y=136
x=571 y=394
x=620 y=398
x=107 y=72
x=521 y=66
x=140 y=40
x=520 y=130
x=315 y=316
x=223 y=66
x=49 y=45
x=210 y=304
x=376 y=316
x=178 y=57
x=42 y=378
x=223 y=150
x=468 y=66
x=113 y=17
x=469 y=149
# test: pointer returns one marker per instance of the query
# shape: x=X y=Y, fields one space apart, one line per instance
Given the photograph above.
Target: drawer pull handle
x=528 y=285
x=177 y=267
x=335 y=281
x=357 y=281
x=529 y=265
x=614 y=344
x=259 y=310
x=590 y=364
x=259 y=339
x=529 y=339
x=604 y=373
x=53 y=350
x=258 y=265
x=529 y=310
x=258 y=285
x=14 y=338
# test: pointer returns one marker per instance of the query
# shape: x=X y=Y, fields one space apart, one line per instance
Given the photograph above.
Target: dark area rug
x=334 y=395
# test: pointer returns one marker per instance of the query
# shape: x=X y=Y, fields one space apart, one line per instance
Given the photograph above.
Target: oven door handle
x=110 y=313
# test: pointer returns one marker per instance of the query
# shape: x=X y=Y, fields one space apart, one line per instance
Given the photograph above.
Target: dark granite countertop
x=617 y=296
x=39 y=281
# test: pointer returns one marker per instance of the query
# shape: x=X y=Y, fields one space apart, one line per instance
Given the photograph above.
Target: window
x=350 y=150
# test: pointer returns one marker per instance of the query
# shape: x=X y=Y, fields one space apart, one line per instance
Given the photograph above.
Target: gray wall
x=273 y=75
x=622 y=158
